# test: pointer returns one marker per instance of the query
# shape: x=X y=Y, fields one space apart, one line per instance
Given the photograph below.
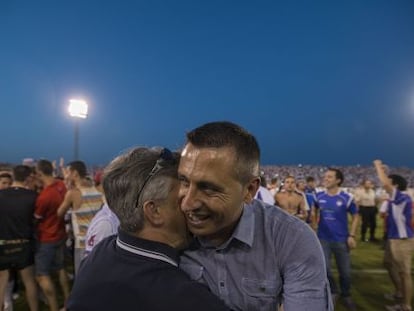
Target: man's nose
x=189 y=199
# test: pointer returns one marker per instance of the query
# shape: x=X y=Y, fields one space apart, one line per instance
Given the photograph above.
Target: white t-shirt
x=265 y=195
x=103 y=224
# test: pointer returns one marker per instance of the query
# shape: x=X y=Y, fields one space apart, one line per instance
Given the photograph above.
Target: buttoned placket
x=222 y=284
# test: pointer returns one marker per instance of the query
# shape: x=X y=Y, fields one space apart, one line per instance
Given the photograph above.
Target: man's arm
x=382 y=176
x=304 y=207
x=412 y=217
x=354 y=226
x=303 y=269
x=357 y=196
x=72 y=199
x=65 y=205
x=40 y=209
x=277 y=199
x=315 y=213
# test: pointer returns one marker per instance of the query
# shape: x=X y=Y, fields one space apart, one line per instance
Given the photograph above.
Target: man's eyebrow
x=202 y=184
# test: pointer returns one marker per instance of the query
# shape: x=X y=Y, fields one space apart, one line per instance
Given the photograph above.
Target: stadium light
x=78 y=109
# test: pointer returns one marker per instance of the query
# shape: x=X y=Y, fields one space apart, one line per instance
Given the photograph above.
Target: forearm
x=315 y=216
x=354 y=225
x=382 y=176
x=62 y=210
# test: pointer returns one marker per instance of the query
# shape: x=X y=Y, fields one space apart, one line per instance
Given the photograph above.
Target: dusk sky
x=317 y=82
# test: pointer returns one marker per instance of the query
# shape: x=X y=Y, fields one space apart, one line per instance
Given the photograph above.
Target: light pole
x=78 y=109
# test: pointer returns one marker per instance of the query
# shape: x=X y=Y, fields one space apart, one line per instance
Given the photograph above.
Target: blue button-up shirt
x=271 y=258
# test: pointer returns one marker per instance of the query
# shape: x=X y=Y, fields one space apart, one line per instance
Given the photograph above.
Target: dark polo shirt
x=128 y=273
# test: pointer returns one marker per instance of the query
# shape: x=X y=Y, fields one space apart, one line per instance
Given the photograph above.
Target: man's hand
x=351 y=242
x=378 y=163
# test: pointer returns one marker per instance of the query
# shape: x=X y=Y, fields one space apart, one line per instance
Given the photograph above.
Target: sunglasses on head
x=166 y=158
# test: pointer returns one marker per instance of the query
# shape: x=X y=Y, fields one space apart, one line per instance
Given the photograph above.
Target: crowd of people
x=355 y=174
x=200 y=229
x=33 y=231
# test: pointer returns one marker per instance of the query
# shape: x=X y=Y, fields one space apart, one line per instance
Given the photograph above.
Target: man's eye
x=183 y=181
x=209 y=191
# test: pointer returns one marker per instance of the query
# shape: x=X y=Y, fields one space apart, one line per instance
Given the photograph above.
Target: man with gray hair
x=139 y=267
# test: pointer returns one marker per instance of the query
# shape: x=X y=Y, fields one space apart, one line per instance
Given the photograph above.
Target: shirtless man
x=291 y=200
x=85 y=201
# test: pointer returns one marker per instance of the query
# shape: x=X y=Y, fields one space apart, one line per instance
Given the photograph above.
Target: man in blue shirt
x=252 y=255
x=333 y=206
x=400 y=233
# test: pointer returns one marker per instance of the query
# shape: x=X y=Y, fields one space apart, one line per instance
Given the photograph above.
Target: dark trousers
x=340 y=251
x=369 y=220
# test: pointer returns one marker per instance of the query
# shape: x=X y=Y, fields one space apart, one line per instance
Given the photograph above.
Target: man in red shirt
x=51 y=234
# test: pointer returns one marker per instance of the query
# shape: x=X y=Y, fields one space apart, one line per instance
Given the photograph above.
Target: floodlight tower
x=78 y=109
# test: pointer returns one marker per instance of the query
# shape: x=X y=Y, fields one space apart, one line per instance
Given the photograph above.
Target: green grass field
x=369 y=280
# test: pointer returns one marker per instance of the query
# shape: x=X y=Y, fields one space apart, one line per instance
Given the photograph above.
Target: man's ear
x=152 y=213
x=251 y=189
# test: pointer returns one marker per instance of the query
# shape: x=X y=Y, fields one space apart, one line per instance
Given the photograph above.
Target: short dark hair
x=289 y=177
x=79 y=167
x=398 y=181
x=338 y=174
x=45 y=166
x=310 y=179
x=227 y=134
x=22 y=172
x=263 y=181
x=274 y=180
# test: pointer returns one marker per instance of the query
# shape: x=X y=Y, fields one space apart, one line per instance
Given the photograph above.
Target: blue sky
x=317 y=82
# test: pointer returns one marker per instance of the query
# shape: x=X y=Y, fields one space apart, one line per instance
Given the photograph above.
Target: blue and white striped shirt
x=399 y=212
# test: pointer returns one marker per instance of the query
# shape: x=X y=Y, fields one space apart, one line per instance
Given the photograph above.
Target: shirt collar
x=244 y=231
x=146 y=248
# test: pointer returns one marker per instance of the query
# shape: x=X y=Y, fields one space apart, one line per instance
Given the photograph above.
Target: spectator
x=263 y=193
x=400 y=234
x=85 y=201
x=291 y=200
x=333 y=206
x=365 y=199
x=6 y=180
x=51 y=234
x=16 y=234
x=103 y=224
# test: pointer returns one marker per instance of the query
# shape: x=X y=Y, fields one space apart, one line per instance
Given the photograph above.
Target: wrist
x=351 y=236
